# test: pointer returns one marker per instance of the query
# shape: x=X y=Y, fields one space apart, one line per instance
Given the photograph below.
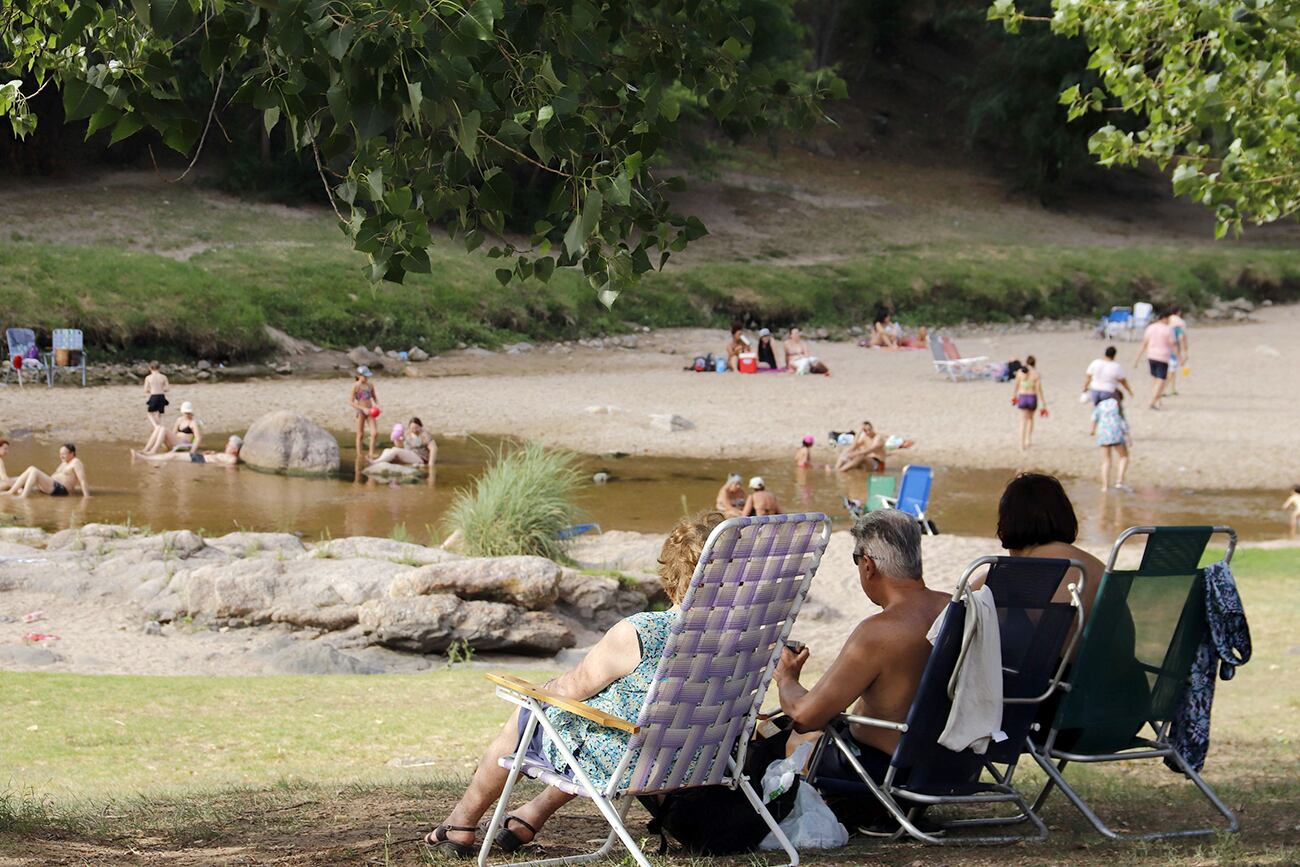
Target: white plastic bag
x=811 y=824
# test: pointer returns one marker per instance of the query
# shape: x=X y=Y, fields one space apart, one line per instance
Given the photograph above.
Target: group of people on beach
x=797 y=356
x=876 y=674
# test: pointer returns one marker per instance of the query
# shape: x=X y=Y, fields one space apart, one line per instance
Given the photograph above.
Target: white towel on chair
x=975 y=719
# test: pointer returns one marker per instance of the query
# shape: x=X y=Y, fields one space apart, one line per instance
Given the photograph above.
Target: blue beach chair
x=914 y=495
x=1033 y=631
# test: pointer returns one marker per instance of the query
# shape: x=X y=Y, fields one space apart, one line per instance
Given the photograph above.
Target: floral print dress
x=597 y=748
x=1112 y=429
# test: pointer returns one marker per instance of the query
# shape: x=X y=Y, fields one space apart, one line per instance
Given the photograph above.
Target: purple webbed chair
x=695 y=725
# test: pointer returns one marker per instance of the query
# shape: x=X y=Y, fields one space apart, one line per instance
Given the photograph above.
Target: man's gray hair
x=892 y=539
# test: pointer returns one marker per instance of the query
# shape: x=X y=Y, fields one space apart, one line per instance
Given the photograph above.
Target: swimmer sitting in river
x=68 y=476
x=803 y=454
x=761 y=501
x=731 y=497
x=227 y=458
x=412 y=446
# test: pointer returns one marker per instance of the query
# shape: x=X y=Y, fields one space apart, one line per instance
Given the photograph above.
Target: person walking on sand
x=1104 y=378
x=1159 y=344
x=155 y=389
x=1111 y=429
x=1027 y=396
x=761 y=501
x=1179 y=358
x=68 y=476
x=731 y=497
x=364 y=401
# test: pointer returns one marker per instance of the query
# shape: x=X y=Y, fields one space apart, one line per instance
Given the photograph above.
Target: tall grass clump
x=518 y=505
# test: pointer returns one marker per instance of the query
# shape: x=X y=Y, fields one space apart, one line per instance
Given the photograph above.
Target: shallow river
x=645 y=494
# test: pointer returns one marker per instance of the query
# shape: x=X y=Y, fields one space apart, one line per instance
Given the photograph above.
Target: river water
x=644 y=493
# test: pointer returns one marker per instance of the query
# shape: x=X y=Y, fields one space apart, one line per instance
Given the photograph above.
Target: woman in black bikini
x=364 y=401
x=185 y=431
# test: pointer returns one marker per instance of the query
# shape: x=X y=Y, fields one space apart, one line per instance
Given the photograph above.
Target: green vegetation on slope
x=216 y=303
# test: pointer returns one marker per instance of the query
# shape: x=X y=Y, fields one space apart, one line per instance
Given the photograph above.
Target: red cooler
x=748 y=363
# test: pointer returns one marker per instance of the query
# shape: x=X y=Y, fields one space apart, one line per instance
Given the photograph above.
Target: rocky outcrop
x=597 y=600
x=376 y=548
x=397 y=472
x=255 y=544
x=431 y=624
x=286 y=442
x=529 y=582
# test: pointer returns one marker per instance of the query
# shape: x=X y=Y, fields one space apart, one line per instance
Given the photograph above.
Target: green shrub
x=519 y=504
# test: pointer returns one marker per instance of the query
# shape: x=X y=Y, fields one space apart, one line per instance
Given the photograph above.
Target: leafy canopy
x=431 y=111
x=1213 y=85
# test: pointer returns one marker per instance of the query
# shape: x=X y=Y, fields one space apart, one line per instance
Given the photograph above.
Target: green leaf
x=544 y=114
x=467 y=133
x=543 y=268
x=398 y=201
x=415 y=92
x=347 y=191
x=695 y=229
x=80 y=18
x=104 y=117
x=81 y=100
x=375 y=183
x=591 y=212
x=620 y=190
x=339 y=41
x=128 y=125
x=497 y=193
x=504 y=275
x=270 y=118
x=669 y=107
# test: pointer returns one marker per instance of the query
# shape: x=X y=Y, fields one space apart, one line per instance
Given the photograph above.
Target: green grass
x=518 y=504
x=110 y=263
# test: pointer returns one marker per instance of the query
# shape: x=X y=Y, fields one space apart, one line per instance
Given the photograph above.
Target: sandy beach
x=1232 y=426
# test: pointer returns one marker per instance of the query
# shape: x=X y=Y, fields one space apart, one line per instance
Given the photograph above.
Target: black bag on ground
x=716 y=820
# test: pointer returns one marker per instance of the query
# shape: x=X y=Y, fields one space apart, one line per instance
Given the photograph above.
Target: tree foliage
x=1214 y=88
x=416 y=111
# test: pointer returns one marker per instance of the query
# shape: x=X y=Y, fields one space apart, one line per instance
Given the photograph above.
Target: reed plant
x=518 y=505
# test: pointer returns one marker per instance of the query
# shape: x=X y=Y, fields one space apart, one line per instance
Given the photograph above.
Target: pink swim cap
x=808 y=441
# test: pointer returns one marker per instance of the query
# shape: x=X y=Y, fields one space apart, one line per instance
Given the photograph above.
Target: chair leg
x=772 y=825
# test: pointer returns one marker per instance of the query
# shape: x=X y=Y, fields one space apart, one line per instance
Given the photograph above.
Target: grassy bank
x=216 y=302
x=108 y=769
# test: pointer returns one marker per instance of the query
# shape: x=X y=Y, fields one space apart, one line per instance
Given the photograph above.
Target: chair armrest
x=523 y=687
x=872 y=721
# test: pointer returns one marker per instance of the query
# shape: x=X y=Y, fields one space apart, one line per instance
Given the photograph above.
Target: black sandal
x=507 y=840
x=437 y=841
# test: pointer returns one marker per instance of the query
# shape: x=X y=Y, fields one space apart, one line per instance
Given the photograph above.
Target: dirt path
x=1233 y=426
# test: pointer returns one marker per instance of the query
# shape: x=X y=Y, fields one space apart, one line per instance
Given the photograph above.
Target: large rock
x=258 y=544
x=529 y=582
x=376 y=548
x=317 y=657
x=88 y=537
x=361 y=355
x=622 y=550
x=431 y=624
x=598 y=601
x=397 y=472
x=286 y=442
x=23 y=656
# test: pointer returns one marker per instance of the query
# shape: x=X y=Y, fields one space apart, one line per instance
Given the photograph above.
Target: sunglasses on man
x=859 y=555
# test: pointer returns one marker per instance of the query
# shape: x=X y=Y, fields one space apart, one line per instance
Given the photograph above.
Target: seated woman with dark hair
x=614 y=677
x=1036 y=519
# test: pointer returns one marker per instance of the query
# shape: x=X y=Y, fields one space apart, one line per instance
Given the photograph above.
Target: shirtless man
x=736 y=346
x=227 y=458
x=155 y=390
x=731 y=497
x=798 y=357
x=761 y=501
x=869 y=449
x=69 y=475
x=880 y=666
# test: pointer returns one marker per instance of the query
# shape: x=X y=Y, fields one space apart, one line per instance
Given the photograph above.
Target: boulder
x=286 y=442
x=431 y=624
x=362 y=356
x=256 y=544
x=376 y=548
x=529 y=582
x=317 y=657
x=670 y=423
x=23 y=535
x=393 y=472
x=81 y=538
x=621 y=550
x=597 y=600
x=417 y=354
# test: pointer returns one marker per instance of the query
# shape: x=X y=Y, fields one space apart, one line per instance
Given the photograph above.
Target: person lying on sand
x=613 y=677
x=417 y=447
x=879 y=668
x=731 y=497
x=869 y=449
x=68 y=476
x=761 y=501
x=799 y=358
x=228 y=458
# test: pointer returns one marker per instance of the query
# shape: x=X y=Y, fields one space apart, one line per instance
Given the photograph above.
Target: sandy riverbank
x=1233 y=426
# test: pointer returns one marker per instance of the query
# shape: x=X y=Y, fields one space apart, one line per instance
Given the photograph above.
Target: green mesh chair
x=878 y=489
x=1132 y=668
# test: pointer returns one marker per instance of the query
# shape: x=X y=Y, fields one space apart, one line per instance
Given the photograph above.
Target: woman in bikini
x=417 y=448
x=364 y=400
x=185 y=433
x=1027 y=397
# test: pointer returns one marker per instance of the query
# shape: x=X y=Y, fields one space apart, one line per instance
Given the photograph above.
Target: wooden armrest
x=519 y=685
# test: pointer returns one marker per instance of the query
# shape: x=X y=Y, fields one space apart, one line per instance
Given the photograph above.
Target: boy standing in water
x=155 y=389
x=1293 y=503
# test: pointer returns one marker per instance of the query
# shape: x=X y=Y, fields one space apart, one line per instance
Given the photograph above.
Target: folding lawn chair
x=879 y=490
x=1141 y=317
x=69 y=353
x=695 y=725
x=914 y=495
x=21 y=344
x=922 y=774
x=1117 y=323
x=1119 y=686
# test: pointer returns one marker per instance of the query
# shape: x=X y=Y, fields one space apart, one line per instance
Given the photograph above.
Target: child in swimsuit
x=803 y=454
x=155 y=389
x=363 y=399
